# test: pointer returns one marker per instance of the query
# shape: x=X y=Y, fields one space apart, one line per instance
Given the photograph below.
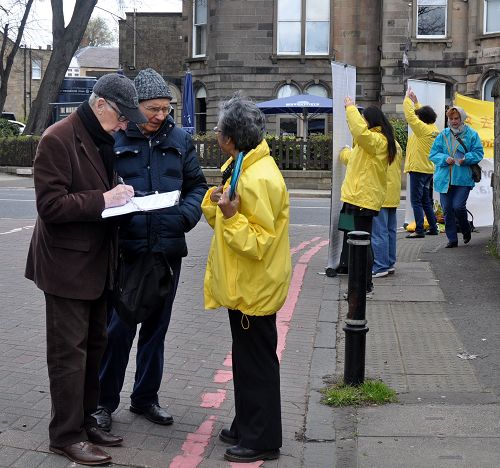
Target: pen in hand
x=130 y=200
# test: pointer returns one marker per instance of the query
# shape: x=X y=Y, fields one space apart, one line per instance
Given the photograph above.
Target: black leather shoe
x=241 y=454
x=154 y=413
x=451 y=245
x=431 y=233
x=103 y=418
x=84 y=453
x=467 y=237
x=99 y=437
x=227 y=436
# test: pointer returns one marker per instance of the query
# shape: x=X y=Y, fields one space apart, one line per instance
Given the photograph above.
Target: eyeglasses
x=217 y=130
x=156 y=110
x=121 y=117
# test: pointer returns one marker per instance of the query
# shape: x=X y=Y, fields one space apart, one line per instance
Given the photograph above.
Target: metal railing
x=288 y=154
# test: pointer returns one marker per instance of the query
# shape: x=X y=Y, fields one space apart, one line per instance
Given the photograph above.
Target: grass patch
x=491 y=249
x=370 y=392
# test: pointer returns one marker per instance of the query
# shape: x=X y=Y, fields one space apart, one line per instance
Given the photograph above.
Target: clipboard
x=236 y=174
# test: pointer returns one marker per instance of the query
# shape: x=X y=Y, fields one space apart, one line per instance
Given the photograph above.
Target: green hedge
x=18 y=151
x=8 y=129
x=400 y=132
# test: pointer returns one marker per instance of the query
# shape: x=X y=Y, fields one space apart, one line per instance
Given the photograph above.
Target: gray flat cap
x=120 y=90
x=151 y=85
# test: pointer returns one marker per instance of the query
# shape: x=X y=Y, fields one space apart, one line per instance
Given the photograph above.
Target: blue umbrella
x=188 y=117
x=304 y=106
x=307 y=104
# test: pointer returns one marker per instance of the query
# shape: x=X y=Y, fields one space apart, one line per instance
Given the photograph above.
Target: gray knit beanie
x=150 y=85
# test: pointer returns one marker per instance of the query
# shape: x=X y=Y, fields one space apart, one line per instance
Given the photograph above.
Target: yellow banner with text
x=480 y=116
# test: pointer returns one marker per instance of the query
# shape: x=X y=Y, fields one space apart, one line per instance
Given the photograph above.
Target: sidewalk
x=447 y=415
x=441 y=302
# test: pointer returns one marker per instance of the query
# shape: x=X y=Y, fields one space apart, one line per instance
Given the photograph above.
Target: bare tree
x=9 y=48
x=65 y=43
x=97 y=33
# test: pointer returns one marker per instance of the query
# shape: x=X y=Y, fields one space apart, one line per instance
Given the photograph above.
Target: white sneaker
x=380 y=274
x=391 y=270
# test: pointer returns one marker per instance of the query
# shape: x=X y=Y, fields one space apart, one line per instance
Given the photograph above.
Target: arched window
x=318 y=123
x=488 y=88
x=200 y=109
x=288 y=90
x=317 y=90
x=287 y=124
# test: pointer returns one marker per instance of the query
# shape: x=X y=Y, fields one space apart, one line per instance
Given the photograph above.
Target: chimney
x=49 y=47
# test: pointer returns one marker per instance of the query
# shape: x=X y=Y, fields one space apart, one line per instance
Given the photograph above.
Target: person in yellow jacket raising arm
x=421 y=120
x=384 y=227
x=365 y=183
x=248 y=272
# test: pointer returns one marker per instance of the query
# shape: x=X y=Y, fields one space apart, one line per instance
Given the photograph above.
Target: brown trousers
x=76 y=340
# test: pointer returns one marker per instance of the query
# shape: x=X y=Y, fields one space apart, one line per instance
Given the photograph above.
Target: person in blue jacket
x=155 y=156
x=455 y=149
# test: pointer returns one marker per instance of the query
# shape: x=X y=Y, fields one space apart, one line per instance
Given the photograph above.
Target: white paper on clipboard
x=147 y=203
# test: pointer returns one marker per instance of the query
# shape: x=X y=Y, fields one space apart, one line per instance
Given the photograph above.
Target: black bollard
x=355 y=324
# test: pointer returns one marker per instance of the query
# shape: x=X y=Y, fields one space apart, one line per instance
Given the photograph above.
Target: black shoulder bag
x=142 y=283
x=475 y=168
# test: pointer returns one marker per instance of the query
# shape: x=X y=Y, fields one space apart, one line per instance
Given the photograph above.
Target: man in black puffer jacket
x=153 y=157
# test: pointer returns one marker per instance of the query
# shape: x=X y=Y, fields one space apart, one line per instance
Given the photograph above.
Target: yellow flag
x=481 y=118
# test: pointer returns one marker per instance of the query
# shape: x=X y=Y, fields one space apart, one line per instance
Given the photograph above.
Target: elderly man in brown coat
x=71 y=256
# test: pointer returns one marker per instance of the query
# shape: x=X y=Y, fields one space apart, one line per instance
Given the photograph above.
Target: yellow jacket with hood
x=419 y=142
x=365 y=181
x=393 y=193
x=249 y=262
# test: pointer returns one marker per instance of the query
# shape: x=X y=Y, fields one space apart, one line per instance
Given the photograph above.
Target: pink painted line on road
x=303 y=245
x=306 y=258
x=192 y=456
x=285 y=313
x=194 y=447
x=213 y=400
x=223 y=376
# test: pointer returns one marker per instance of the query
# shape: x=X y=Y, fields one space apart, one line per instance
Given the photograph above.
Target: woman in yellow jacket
x=385 y=224
x=248 y=272
x=364 y=188
x=421 y=120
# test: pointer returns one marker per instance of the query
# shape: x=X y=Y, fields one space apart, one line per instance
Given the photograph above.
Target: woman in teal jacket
x=455 y=149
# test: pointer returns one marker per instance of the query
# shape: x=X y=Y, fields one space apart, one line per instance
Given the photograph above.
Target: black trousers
x=76 y=340
x=361 y=223
x=256 y=377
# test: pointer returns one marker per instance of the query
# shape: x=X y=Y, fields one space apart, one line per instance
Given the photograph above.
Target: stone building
x=94 y=61
x=25 y=78
x=275 y=48
x=154 y=40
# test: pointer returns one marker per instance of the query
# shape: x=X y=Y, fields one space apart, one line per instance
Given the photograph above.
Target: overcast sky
x=39 y=31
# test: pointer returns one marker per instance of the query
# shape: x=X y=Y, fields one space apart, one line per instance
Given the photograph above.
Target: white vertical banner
x=429 y=93
x=343 y=84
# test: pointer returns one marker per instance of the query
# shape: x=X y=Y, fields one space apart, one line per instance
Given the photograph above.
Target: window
x=303 y=27
x=491 y=16
x=200 y=28
x=36 y=69
x=200 y=109
x=317 y=90
x=488 y=88
x=287 y=91
x=73 y=72
x=431 y=18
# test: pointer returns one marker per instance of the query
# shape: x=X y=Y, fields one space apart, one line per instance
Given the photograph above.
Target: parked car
x=19 y=124
x=8 y=115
